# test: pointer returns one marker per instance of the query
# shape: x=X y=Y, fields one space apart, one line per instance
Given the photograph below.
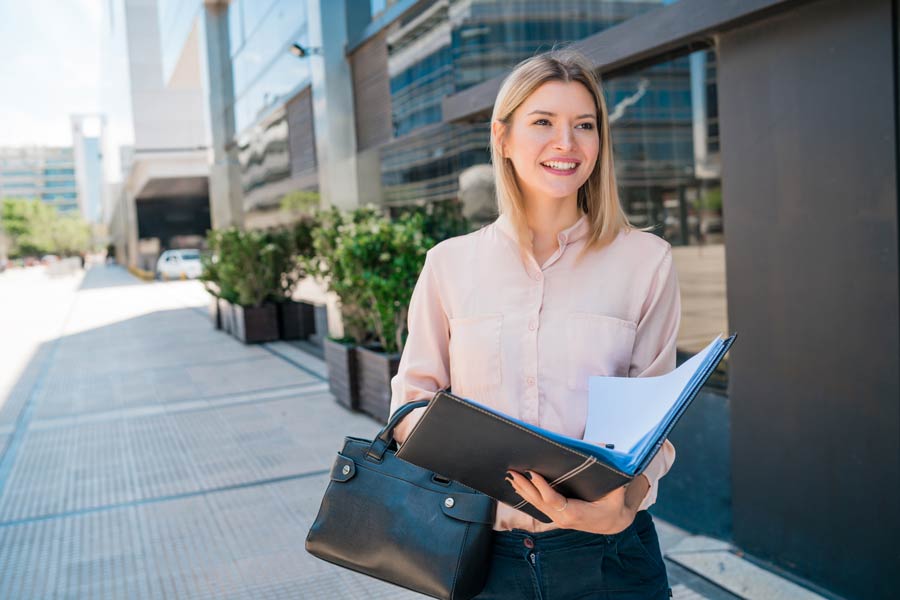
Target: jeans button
x=529 y=543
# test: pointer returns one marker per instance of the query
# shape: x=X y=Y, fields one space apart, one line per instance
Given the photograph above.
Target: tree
x=36 y=228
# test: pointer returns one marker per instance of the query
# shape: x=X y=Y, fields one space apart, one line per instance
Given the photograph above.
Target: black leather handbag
x=400 y=523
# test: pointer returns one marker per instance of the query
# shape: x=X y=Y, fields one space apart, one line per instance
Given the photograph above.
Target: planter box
x=214 y=314
x=296 y=320
x=255 y=324
x=226 y=315
x=342 y=379
x=375 y=371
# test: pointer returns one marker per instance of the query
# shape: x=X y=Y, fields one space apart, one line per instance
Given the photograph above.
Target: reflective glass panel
x=664 y=123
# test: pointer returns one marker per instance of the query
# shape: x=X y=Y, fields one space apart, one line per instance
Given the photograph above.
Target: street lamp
x=302 y=51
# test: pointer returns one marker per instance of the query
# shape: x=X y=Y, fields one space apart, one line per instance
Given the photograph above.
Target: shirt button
x=530 y=381
x=532 y=326
x=538 y=277
x=529 y=543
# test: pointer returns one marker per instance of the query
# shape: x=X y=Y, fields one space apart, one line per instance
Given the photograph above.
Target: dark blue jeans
x=565 y=564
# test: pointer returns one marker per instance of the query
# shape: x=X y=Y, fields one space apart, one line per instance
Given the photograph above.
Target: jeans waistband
x=512 y=541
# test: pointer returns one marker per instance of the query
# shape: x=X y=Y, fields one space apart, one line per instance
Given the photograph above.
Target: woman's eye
x=586 y=125
x=542 y=122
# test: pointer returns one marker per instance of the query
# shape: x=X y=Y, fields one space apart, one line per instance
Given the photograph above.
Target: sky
x=49 y=70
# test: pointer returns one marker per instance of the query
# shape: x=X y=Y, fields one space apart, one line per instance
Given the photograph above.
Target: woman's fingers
x=537 y=492
x=548 y=494
x=525 y=488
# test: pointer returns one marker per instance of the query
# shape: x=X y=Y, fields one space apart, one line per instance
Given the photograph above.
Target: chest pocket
x=475 y=351
x=597 y=345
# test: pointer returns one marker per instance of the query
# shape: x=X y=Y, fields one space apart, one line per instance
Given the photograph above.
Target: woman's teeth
x=560 y=166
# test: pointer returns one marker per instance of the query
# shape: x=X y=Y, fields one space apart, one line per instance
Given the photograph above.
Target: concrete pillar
x=332 y=95
x=226 y=201
x=129 y=217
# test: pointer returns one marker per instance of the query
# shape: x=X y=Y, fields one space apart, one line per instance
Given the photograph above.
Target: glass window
x=284 y=24
x=487 y=38
x=427 y=167
x=285 y=75
x=235 y=25
x=254 y=12
x=665 y=140
x=417 y=92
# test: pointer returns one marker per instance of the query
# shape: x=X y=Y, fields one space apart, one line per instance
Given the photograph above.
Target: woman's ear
x=498 y=131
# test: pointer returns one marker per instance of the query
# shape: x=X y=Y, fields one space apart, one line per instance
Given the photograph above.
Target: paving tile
x=741 y=577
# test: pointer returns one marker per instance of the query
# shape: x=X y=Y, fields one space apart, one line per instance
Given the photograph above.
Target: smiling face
x=553 y=141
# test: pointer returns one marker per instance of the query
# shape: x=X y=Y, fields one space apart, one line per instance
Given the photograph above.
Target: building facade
x=40 y=172
x=157 y=152
x=87 y=143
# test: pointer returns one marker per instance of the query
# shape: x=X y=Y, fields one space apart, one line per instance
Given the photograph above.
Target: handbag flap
x=342 y=469
x=471 y=508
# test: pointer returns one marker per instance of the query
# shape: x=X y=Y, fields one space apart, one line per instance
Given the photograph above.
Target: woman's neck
x=547 y=219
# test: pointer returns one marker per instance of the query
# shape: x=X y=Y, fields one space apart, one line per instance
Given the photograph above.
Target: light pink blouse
x=524 y=338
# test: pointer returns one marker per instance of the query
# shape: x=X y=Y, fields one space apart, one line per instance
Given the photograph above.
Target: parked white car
x=178 y=264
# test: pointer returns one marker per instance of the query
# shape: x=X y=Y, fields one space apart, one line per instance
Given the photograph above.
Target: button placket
x=531 y=410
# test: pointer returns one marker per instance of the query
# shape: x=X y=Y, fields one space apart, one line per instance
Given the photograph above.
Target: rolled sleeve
x=424 y=363
x=654 y=353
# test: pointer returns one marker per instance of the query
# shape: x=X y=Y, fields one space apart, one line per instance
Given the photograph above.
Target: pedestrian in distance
x=520 y=313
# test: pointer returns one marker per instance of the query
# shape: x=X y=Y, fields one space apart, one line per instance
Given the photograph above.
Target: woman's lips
x=571 y=171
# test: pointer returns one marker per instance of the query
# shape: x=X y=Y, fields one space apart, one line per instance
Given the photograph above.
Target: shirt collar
x=566 y=236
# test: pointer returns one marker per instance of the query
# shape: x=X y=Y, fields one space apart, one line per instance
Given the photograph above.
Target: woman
x=519 y=314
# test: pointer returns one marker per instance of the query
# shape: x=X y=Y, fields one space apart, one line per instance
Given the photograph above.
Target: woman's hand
x=608 y=515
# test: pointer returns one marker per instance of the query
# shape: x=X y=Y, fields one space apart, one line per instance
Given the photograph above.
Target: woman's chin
x=558 y=193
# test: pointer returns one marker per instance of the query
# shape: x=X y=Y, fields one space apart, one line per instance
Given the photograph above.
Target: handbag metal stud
x=449 y=502
x=346 y=469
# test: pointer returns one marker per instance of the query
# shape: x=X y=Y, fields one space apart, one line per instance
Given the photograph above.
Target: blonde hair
x=598 y=197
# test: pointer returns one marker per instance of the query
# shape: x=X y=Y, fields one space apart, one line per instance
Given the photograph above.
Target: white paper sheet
x=623 y=410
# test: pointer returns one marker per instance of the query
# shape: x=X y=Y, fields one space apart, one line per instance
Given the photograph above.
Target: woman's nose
x=564 y=139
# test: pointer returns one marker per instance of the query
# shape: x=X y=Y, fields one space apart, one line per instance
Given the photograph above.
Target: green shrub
x=440 y=220
x=322 y=263
x=383 y=258
x=252 y=267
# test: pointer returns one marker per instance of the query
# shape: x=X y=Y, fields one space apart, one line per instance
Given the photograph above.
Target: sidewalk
x=146 y=455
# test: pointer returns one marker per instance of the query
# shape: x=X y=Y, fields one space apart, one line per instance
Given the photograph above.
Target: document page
x=623 y=410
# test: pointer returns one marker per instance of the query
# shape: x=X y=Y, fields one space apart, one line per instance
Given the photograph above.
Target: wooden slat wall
x=372 y=93
x=301 y=133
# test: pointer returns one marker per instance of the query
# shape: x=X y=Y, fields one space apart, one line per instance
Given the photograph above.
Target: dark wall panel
x=807 y=112
x=696 y=493
x=301 y=134
x=372 y=93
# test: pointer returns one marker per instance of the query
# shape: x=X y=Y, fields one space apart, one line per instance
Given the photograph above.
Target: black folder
x=463 y=440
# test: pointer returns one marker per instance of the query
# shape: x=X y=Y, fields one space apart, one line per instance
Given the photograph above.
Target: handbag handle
x=385 y=437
